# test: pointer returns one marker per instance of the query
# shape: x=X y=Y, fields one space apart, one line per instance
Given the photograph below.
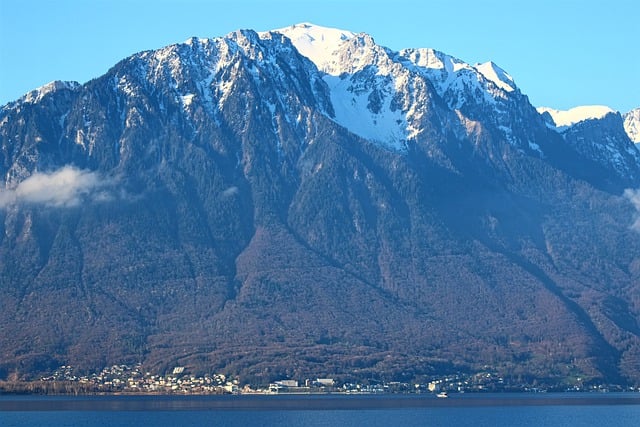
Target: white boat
x=442 y=395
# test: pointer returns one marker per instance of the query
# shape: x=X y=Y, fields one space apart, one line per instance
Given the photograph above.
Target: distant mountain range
x=305 y=202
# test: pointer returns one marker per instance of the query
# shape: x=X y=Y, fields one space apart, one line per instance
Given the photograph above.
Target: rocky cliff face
x=271 y=206
x=632 y=125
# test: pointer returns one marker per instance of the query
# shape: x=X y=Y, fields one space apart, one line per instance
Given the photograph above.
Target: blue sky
x=561 y=53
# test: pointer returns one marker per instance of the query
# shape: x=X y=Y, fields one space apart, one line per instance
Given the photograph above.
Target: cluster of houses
x=133 y=379
x=293 y=386
x=125 y=378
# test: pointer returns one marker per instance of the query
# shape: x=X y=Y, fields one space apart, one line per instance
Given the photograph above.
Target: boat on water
x=442 y=395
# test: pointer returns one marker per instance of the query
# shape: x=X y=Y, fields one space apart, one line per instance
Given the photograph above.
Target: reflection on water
x=322 y=411
x=304 y=402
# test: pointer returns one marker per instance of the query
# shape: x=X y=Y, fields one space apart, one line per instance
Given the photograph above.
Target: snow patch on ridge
x=568 y=118
x=433 y=59
x=353 y=111
x=457 y=82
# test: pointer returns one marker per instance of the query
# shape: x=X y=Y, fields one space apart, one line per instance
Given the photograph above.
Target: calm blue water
x=395 y=412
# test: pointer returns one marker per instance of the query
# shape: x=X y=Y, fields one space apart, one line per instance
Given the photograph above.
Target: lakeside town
x=126 y=379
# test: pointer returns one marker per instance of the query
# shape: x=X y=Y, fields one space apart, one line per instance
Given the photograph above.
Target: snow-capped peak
x=315 y=42
x=497 y=75
x=365 y=79
x=565 y=119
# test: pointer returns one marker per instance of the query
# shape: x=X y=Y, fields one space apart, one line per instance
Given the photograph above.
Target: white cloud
x=230 y=191
x=634 y=197
x=65 y=187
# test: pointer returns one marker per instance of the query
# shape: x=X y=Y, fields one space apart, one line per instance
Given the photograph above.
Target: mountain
x=599 y=133
x=562 y=120
x=307 y=202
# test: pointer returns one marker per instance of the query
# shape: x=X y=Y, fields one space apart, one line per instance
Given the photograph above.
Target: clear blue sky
x=562 y=53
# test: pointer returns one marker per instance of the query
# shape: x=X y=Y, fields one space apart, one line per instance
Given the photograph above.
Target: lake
x=551 y=410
